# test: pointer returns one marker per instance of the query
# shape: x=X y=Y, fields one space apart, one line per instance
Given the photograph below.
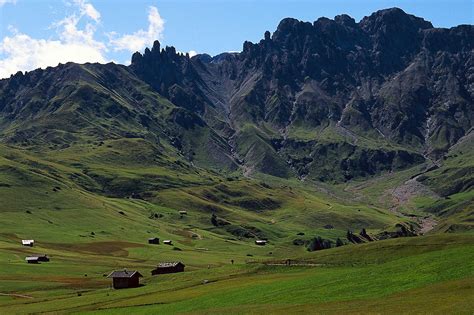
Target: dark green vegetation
x=324 y=134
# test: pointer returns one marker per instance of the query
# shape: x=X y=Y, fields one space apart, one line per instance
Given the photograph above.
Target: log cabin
x=122 y=279
x=168 y=267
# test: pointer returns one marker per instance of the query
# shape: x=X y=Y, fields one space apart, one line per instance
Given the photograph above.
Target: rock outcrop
x=330 y=100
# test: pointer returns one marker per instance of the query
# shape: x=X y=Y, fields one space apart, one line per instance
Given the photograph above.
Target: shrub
x=318 y=243
x=214 y=219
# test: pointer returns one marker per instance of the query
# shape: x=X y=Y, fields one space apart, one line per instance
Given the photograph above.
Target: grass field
x=92 y=207
x=401 y=275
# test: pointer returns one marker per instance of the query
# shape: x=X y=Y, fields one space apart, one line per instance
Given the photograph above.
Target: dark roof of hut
x=124 y=274
x=169 y=264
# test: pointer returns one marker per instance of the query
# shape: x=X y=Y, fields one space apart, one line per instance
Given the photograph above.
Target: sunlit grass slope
x=400 y=275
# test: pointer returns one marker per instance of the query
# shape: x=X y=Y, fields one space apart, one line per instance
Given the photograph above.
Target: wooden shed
x=37 y=259
x=32 y=260
x=168 y=242
x=43 y=258
x=261 y=242
x=28 y=242
x=183 y=212
x=123 y=279
x=168 y=267
x=154 y=240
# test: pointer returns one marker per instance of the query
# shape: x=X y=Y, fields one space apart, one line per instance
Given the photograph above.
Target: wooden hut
x=168 y=267
x=168 y=242
x=43 y=258
x=154 y=240
x=29 y=243
x=123 y=279
x=183 y=212
x=32 y=260
x=37 y=259
x=261 y=242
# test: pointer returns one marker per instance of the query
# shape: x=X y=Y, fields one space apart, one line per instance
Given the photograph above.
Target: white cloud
x=92 y=12
x=75 y=41
x=24 y=53
x=3 y=2
x=70 y=33
x=141 y=38
x=87 y=9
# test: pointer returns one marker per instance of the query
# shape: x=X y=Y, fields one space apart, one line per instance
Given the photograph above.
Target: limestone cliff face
x=333 y=99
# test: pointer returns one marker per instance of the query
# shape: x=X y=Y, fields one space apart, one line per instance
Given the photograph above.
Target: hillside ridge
x=368 y=97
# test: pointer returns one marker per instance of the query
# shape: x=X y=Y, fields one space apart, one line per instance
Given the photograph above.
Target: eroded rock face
x=391 y=77
x=333 y=100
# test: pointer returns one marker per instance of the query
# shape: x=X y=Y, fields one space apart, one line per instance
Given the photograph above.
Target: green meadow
x=431 y=274
x=80 y=205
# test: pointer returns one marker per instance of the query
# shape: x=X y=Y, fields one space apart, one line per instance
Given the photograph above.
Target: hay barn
x=168 y=267
x=122 y=279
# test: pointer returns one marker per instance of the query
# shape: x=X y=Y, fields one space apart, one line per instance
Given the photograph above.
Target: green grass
x=453 y=181
x=426 y=266
x=75 y=203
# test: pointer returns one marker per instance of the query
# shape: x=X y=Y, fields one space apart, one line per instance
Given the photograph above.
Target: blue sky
x=40 y=33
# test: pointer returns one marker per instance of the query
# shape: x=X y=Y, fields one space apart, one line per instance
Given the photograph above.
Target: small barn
x=32 y=260
x=29 y=243
x=261 y=242
x=37 y=259
x=168 y=242
x=123 y=279
x=168 y=267
x=43 y=258
x=154 y=240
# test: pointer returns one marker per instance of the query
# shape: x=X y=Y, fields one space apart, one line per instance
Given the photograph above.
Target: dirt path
x=287 y=264
x=347 y=133
x=17 y=295
x=295 y=265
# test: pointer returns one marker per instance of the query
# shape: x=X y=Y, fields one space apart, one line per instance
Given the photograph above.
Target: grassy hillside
x=91 y=208
x=431 y=274
x=92 y=205
x=454 y=182
x=100 y=167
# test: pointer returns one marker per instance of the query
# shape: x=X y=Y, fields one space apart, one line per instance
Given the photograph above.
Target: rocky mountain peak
x=290 y=27
x=393 y=19
x=345 y=20
x=156 y=46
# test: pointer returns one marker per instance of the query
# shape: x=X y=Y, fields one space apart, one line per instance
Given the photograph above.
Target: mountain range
x=331 y=101
x=347 y=146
